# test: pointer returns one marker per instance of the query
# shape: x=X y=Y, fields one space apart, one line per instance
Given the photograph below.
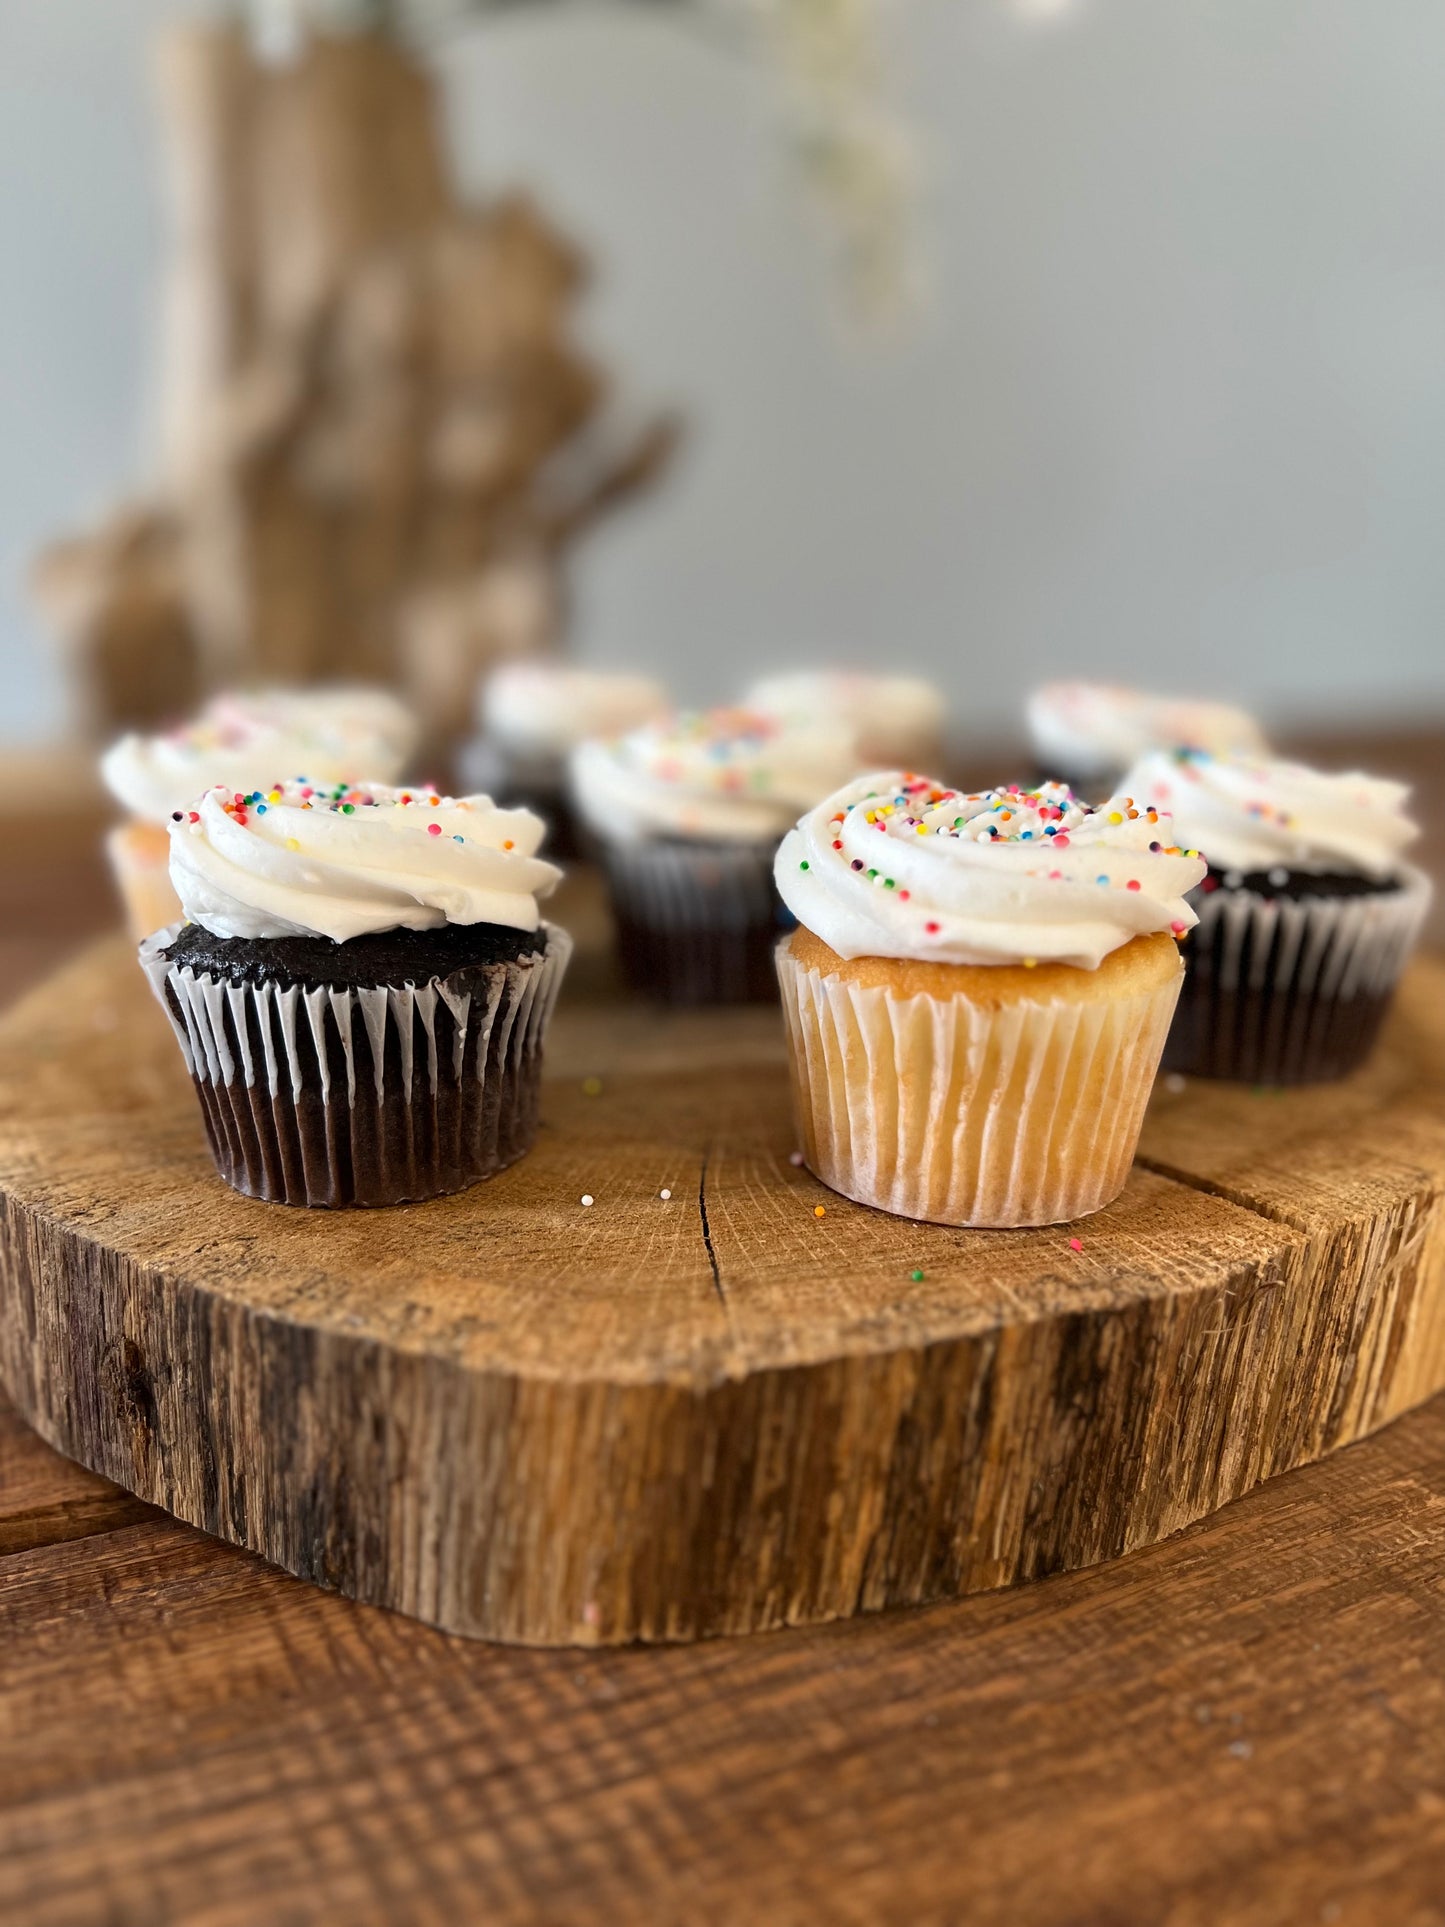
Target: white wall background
x=1178 y=414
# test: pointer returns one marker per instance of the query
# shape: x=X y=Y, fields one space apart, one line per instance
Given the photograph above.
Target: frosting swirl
x=543 y=709
x=301 y=859
x=1093 y=729
x=897 y=866
x=1252 y=816
x=891 y=716
x=723 y=776
x=337 y=734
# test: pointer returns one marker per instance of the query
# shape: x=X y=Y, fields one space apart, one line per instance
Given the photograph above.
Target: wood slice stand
x=526 y=1419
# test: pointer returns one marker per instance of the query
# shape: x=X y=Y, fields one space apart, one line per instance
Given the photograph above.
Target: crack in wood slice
x=523 y=1418
x=707 y=1231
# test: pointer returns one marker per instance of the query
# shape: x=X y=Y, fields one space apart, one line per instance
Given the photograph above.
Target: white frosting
x=1253 y=816
x=891 y=716
x=339 y=863
x=725 y=776
x=895 y=868
x=348 y=718
x=1091 y=729
x=334 y=735
x=545 y=709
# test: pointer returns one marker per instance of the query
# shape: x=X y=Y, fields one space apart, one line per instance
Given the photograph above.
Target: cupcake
x=1090 y=734
x=533 y=715
x=977 y=994
x=239 y=741
x=687 y=812
x=890 y=719
x=362 y=987
x=1306 y=916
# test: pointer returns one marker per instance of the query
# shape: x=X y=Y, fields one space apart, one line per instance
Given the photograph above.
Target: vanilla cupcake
x=1089 y=734
x=241 y=741
x=687 y=813
x=977 y=994
x=362 y=987
x=533 y=715
x=892 y=720
x=1306 y=917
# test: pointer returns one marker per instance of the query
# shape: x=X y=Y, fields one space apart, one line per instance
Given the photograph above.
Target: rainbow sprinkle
x=341 y=799
x=1008 y=817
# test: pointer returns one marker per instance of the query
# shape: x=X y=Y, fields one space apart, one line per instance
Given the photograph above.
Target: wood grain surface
x=521 y=1417
x=1240 y=1727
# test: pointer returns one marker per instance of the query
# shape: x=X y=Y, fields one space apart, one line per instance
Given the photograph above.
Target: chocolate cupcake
x=1089 y=734
x=687 y=813
x=1306 y=914
x=533 y=715
x=362 y=988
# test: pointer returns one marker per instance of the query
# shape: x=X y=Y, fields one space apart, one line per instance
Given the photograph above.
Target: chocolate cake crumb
x=393 y=957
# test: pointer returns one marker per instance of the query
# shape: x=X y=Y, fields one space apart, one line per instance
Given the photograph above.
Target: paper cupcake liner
x=139 y=856
x=696 y=923
x=338 y=1096
x=1291 y=990
x=934 y=1108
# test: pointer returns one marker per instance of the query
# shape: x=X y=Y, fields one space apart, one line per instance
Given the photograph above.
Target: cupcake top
x=311 y=860
x=239 y=741
x=1093 y=729
x=720 y=776
x=1252 y=816
x=898 y=866
x=545 y=708
x=900 y=708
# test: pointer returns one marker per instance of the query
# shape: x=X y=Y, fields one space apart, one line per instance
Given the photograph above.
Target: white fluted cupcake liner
x=343 y=1096
x=696 y=923
x=1291 y=990
x=935 y=1108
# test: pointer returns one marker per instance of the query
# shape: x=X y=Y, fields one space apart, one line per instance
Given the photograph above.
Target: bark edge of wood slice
x=527 y=1419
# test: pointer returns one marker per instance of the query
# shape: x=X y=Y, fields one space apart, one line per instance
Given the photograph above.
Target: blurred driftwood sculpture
x=114 y=600
x=377 y=437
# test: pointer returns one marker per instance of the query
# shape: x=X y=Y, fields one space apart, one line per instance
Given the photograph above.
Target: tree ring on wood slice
x=664 y=1417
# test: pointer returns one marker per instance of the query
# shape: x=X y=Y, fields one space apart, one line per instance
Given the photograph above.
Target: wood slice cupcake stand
x=660 y=1418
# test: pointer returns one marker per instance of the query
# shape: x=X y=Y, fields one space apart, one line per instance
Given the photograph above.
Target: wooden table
x=1245 y=1724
